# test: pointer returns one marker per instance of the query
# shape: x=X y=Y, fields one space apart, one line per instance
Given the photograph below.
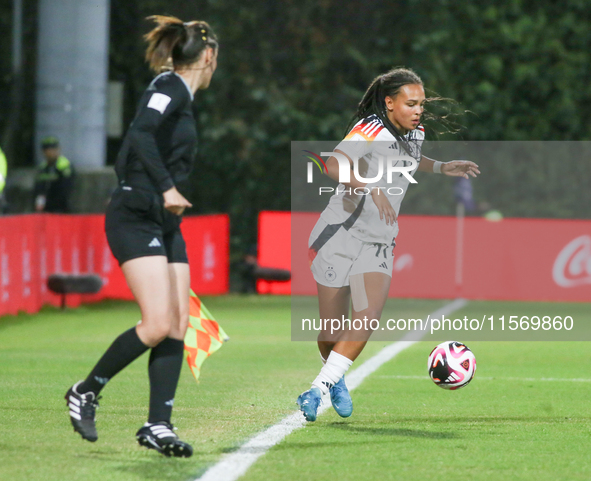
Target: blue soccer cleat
x=309 y=402
x=341 y=399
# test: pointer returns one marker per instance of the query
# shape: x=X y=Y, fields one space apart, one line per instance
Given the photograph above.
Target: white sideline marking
x=485 y=378
x=234 y=465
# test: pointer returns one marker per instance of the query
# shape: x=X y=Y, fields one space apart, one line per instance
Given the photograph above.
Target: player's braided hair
x=177 y=42
x=385 y=85
x=389 y=85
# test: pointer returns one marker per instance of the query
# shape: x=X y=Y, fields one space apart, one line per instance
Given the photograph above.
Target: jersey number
x=379 y=249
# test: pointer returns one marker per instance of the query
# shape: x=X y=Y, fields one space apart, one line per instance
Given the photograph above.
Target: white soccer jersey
x=370 y=142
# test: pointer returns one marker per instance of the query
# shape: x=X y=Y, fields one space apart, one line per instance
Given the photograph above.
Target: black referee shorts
x=138 y=225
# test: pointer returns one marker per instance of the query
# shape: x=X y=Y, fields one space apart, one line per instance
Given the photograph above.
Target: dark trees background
x=295 y=70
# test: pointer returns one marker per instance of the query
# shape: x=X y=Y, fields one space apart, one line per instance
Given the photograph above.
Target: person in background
x=247 y=267
x=489 y=213
x=3 y=172
x=54 y=179
x=464 y=194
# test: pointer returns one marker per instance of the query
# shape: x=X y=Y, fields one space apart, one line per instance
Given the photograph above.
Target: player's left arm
x=455 y=168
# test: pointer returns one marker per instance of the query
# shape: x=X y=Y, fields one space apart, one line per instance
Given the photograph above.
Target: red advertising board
x=514 y=259
x=32 y=247
x=208 y=249
x=274 y=249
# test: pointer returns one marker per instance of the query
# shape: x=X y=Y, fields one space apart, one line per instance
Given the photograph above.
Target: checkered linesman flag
x=204 y=335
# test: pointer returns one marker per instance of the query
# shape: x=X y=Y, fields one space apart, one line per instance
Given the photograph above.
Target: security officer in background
x=54 y=180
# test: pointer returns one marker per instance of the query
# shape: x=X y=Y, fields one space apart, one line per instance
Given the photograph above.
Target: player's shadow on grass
x=494 y=420
x=141 y=463
x=385 y=431
x=162 y=468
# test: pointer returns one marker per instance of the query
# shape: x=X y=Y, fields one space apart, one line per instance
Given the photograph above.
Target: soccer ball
x=451 y=365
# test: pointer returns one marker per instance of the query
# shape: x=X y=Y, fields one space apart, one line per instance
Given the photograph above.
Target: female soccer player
x=143 y=229
x=351 y=245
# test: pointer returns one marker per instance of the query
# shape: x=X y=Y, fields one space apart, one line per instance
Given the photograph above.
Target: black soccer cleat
x=160 y=436
x=82 y=412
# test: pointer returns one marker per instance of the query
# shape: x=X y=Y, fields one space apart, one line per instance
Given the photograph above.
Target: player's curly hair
x=175 y=43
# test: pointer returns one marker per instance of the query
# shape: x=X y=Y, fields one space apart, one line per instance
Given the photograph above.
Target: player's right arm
x=381 y=201
x=332 y=170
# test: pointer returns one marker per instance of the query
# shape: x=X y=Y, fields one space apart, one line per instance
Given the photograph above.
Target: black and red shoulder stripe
x=368 y=128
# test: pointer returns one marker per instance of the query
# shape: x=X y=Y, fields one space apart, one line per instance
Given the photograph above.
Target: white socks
x=334 y=369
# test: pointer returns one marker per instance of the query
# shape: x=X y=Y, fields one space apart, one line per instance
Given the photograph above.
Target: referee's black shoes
x=161 y=437
x=82 y=411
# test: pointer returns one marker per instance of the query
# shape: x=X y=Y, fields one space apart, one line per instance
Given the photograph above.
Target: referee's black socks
x=166 y=360
x=124 y=350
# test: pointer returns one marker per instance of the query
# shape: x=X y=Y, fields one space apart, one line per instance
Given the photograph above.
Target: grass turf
x=503 y=426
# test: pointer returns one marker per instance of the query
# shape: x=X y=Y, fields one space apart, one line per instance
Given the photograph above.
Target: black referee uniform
x=157 y=154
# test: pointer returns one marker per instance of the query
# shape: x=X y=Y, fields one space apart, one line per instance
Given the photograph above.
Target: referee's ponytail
x=177 y=42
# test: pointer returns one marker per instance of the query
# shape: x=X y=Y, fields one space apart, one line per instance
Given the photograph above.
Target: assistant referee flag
x=204 y=335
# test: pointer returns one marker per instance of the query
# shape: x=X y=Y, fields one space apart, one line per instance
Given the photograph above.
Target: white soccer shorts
x=335 y=255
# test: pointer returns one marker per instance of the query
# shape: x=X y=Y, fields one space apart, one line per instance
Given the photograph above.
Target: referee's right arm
x=155 y=108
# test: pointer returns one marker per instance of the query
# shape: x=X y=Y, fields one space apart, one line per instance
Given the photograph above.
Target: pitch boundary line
x=234 y=465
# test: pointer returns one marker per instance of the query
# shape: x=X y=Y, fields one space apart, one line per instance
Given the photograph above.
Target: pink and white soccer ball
x=451 y=365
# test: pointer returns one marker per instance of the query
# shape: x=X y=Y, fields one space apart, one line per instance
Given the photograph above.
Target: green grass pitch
x=507 y=424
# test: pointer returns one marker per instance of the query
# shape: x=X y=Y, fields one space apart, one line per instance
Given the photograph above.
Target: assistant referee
x=143 y=229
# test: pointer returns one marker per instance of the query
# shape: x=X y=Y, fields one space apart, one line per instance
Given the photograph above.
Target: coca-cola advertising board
x=511 y=259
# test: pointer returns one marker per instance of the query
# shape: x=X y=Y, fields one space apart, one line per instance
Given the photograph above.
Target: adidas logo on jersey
x=155 y=243
x=384 y=265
